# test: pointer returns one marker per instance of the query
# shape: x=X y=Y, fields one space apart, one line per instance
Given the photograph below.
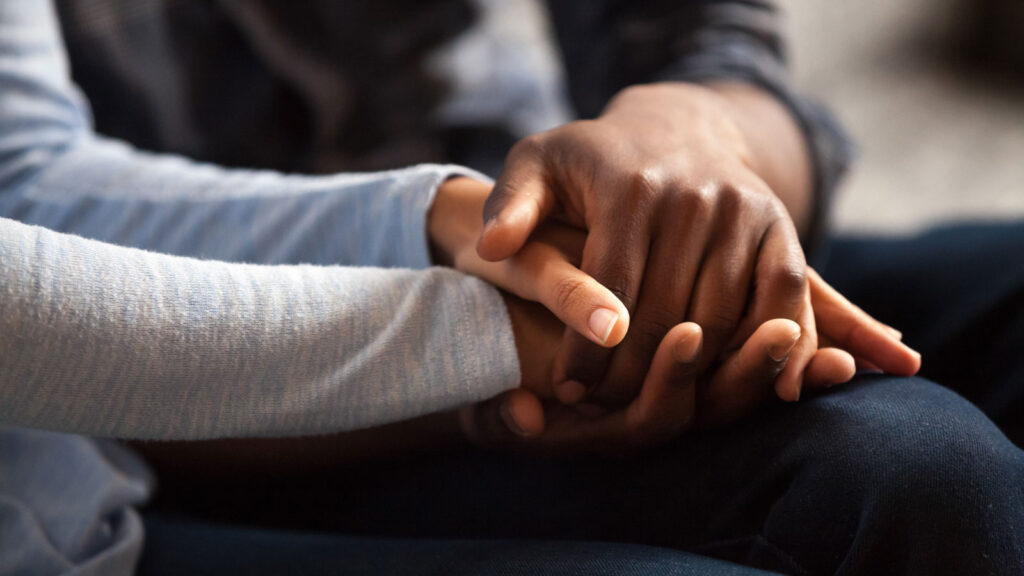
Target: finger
x=663 y=409
x=664 y=296
x=745 y=378
x=665 y=405
x=542 y=273
x=780 y=279
x=892 y=332
x=519 y=201
x=509 y=418
x=790 y=382
x=853 y=330
x=616 y=259
x=829 y=367
x=720 y=294
x=862 y=365
x=859 y=363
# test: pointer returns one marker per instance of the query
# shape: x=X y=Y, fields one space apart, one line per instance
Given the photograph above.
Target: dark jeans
x=880 y=476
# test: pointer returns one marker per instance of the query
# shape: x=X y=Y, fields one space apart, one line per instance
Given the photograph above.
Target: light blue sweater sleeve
x=148 y=296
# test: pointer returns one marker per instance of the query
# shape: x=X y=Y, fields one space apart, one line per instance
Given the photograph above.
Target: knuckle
x=771 y=209
x=569 y=293
x=732 y=198
x=529 y=147
x=699 y=202
x=774 y=206
x=647 y=183
x=790 y=277
x=743 y=199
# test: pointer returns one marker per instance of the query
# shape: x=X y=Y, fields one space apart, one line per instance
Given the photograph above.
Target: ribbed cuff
x=417 y=197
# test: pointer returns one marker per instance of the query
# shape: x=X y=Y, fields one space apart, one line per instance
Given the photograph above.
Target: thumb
x=579 y=301
x=745 y=378
x=508 y=418
x=519 y=202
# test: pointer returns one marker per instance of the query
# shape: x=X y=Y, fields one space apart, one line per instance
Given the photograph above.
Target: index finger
x=780 y=280
x=616 y=259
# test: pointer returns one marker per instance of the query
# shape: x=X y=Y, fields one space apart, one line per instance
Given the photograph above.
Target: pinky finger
x=829 y=367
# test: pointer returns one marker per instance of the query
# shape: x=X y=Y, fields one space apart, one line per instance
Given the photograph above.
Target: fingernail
x=602 y=321
x=510 y=421
x=570 y=391
x=779 y=352
x=894 y=333
x=686 y=350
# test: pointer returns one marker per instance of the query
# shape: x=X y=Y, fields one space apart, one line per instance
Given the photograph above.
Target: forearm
x=106 y=191
x=109 y=341
x=231 y=459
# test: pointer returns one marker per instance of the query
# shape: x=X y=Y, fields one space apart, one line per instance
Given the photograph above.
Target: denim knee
x=903 y=472
x=905 y=430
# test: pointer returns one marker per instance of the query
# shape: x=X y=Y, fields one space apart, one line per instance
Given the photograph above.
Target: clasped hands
x=653 y=279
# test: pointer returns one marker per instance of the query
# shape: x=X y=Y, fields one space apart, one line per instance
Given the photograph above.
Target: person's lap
x=877 y=473
x=957 y=293
x=900 y=468
x=180 y=547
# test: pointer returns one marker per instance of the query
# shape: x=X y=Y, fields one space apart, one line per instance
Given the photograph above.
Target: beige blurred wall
x=937 y=142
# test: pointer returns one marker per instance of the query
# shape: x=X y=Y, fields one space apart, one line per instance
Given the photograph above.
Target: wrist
x=455 y=219
x=678 y=105
x=537 y=334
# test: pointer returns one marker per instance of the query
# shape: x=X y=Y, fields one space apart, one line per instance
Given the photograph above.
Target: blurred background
x=933 y=92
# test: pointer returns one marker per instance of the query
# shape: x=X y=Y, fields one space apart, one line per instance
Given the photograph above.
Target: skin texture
x=675 y=395
x=675 y=185
x=673 y=398
x=671 y=177
x=531 y=419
